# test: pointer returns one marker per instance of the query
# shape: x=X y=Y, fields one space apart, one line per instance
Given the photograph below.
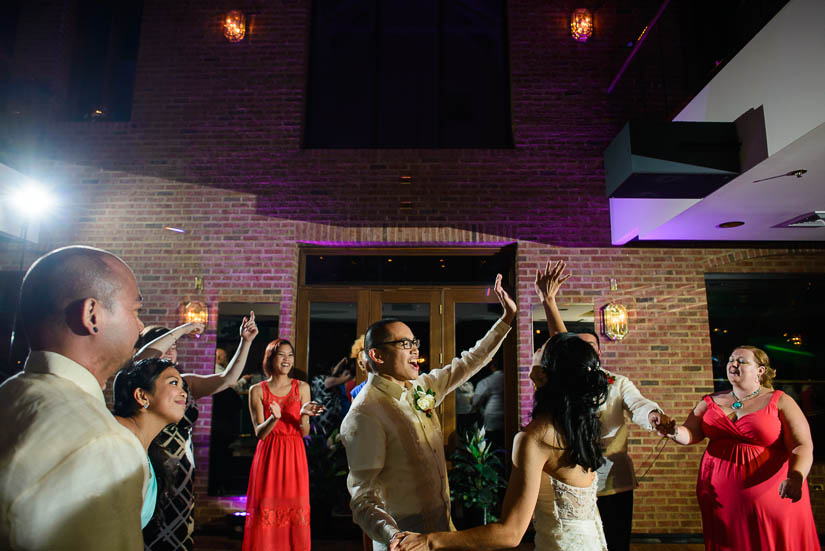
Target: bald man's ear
x=90 y=315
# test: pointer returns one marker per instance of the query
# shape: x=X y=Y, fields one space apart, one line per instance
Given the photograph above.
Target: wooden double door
x=446 y=320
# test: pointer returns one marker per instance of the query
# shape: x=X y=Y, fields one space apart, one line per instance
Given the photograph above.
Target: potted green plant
x=477 y=477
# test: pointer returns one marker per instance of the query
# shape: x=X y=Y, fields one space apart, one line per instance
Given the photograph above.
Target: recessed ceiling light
x=731 y=224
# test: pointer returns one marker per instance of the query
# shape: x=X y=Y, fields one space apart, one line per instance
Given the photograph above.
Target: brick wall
x=214 y=147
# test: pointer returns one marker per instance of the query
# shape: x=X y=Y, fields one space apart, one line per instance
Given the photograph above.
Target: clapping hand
x=549 y=280
x=275 y=409
x=249 y=329
x=507 y=303
x=312 y=409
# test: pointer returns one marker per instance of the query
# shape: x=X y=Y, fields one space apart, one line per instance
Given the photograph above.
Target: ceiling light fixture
x=731 y=224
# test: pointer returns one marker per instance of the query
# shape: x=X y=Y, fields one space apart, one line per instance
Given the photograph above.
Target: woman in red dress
x=751 y=489
x=277 y=504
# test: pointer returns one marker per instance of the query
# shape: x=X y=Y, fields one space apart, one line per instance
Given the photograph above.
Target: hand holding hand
x=312 y=409
x=549 y=280
x=411 y=541
x=275 y=409
x=507 y=303
x=662 y=424
x=249 y=330
x=791 y=488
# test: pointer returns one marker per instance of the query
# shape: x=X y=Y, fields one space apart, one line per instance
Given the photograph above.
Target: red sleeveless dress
x=738 y=486
x=277 y=502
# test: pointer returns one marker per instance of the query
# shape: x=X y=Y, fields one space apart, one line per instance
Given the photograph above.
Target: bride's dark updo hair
x=575 y=388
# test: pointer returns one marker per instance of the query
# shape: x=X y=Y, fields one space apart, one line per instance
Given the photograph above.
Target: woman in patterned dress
x=277 y=502
x=172 y=525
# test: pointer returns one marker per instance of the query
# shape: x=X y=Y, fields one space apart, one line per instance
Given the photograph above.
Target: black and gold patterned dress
x=172 y=525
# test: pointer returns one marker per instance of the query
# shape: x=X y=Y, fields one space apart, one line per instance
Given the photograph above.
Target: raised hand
x=312 y=409
x=275 y=409
x=249 y=329
x=549 y=280
x=507 y=303
x=196 y=327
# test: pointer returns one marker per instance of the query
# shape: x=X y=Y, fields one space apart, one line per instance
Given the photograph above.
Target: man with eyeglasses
x=395 y=450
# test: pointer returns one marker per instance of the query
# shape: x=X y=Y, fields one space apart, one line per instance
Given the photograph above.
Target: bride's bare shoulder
x=542 y=432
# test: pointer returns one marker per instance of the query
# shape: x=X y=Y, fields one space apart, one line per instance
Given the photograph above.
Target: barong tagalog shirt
x=71 y=477
x=398 y=475
x=623 y=399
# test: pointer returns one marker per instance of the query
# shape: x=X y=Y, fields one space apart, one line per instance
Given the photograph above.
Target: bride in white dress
x=554 y=461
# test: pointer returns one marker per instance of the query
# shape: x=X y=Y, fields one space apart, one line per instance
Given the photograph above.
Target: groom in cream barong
x=397 y=472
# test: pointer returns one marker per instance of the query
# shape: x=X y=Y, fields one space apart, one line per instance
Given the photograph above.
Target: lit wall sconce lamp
x=614 y=321
x=234 y=26
x=581 y=25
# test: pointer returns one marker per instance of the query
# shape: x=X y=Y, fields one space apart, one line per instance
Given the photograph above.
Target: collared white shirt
x=71 y=477
x=623 y=398
x=398 y=475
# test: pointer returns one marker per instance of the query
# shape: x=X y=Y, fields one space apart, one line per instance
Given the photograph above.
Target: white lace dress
x=566 y=517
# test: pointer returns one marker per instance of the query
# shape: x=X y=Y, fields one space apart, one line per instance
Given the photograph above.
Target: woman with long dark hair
x=149 y=395
x=277 y=501
x=554 y=461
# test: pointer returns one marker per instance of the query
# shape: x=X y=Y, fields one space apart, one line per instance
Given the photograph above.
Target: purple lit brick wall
x=214 y=147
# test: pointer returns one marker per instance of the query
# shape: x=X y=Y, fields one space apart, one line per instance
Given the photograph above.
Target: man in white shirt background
x=392 y=435
x=489 y=400
x=71 y=477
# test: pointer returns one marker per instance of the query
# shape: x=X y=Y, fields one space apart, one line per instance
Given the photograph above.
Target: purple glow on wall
x=417 y=244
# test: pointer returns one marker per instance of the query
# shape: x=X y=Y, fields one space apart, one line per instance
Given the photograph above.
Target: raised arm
x=529 y=458
x=797 y=435
x=262 y=421
x=548 y=282
x=206 y=385
x=159 y=346
x=446 y=379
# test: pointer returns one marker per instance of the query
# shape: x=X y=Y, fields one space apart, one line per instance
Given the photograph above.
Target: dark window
x=8 y=36
x=408 y=270
x=104 y=60
x=396 y=74
x=782 y=315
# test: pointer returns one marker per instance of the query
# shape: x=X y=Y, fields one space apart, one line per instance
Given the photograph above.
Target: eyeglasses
x=406 y=344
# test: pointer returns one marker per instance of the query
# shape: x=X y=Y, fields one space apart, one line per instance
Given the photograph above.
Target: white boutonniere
x=424 y=401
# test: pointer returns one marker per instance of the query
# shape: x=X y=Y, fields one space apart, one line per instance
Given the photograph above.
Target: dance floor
x=216 y=543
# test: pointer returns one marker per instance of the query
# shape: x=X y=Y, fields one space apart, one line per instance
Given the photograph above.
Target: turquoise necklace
x=738 y=403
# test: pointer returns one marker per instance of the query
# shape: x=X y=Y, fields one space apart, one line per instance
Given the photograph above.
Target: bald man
x=71 y=477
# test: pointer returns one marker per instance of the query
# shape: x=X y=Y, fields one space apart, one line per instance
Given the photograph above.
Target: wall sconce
x=234 y=26
x=581 y=25
x=197 y=312
x=614 y=321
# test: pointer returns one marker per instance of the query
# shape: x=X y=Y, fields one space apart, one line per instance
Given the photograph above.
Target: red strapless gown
x=277 y=502
x=738 y=486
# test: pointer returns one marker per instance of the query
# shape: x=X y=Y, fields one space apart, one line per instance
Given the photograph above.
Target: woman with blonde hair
x=751 y=486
